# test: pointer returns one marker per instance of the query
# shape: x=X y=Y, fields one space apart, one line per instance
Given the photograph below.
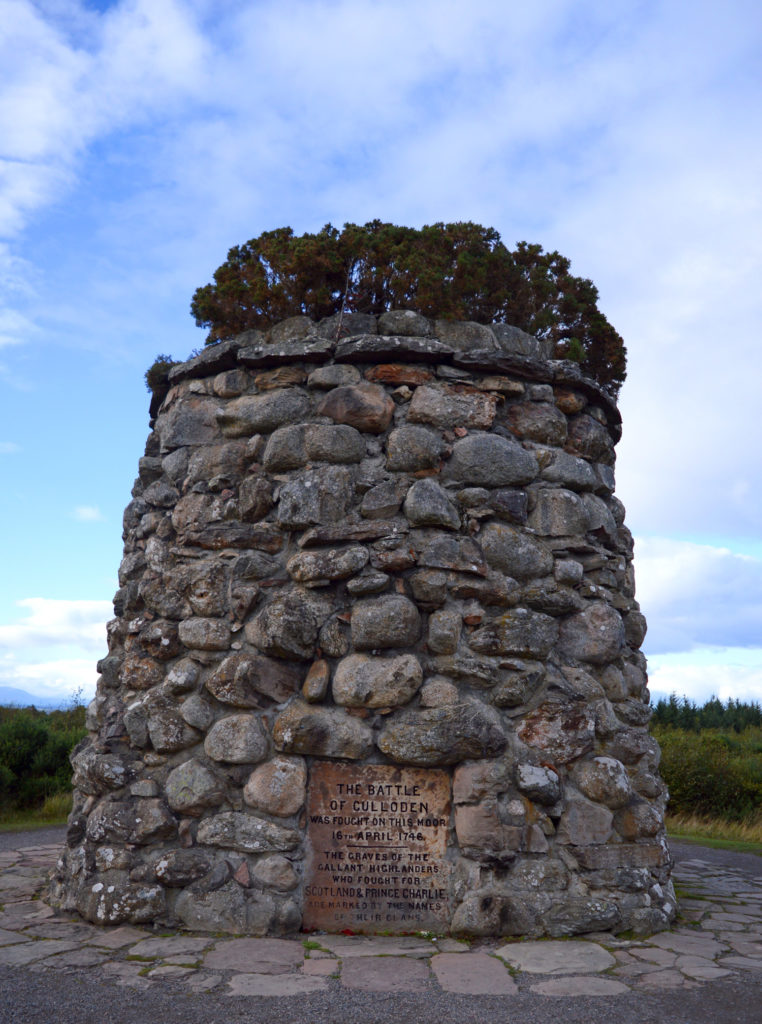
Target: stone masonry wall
x=384 y=541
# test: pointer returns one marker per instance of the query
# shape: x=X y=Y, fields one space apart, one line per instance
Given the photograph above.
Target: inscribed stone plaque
x=377 y=837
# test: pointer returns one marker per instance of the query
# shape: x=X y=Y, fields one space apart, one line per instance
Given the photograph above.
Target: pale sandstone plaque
x=377 y=838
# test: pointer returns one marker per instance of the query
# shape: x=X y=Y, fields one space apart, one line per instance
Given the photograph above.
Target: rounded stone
x=363 y=681
x=589 y=439
x=288 y=626
x=261 y=414
x=237 y=739
x=140 y=673
x=248 y=833
x=321 y=731
x=412 y=448
x=448 y=407
x=594 y=635
x=444 y=631
x=637 y=820
x=341 y=444
x=278 y=787
x=489 y=460
x=169 y=731
x=333 y=376
x=181 y=867
x=519 y=631
x=276 y=872
x=205 y=634
x=537 y=421
x=605 y=780
x=438 y=691
x=427 y=504
x=538 y=782
x=559 y=513
x=514 y=552
x=367 y=407
x=388 y=621
x=334 y=564
x=443 y=735
x=405 y=322
x=562 y=732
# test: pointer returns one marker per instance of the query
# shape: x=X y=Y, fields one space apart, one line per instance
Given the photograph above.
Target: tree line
x=682 y=713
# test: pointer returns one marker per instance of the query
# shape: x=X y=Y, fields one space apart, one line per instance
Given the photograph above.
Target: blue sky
x=140 y=139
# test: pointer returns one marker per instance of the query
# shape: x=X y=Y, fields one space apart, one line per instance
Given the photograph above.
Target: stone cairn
x=373 y=541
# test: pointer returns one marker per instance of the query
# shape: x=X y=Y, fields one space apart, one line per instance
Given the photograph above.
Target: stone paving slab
x=278 y=985
x=117 y=938
x=385 y=974
x=474 y=974
x=696 y=943
x=376 y=945
x=580 y=986
x=171 y=945
x=321 y=968
x=718 y=937
x=256 y=956
x=83 y=957
x=664 y=980
x=28 y=952
x=551 y=957
x=746 y=963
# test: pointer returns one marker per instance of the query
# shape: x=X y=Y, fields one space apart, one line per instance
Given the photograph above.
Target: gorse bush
x=459 y=271
x=714 y=773
x=34 y=754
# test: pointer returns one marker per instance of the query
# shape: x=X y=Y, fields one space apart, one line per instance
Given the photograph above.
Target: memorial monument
x=375 y=663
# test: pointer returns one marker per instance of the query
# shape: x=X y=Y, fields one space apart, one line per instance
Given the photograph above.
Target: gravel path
x=63 y=971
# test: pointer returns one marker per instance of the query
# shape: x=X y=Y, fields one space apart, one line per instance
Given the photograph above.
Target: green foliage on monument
x=460 y=271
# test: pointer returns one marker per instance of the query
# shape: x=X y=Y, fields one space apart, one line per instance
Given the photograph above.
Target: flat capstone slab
x=474 y=974
x=557 y=957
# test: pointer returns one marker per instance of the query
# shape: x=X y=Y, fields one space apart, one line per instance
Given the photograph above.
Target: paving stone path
x=718 y=935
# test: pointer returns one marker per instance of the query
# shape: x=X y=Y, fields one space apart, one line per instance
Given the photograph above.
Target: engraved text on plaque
x=377 y=842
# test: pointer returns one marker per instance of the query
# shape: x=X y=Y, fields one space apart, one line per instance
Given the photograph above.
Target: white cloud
x=53 y=650
x=88 y=514
x=9 y=448
x=695 y=595
x=722 y=675
x=64 y=678
x=58 y=623
x=72 y=78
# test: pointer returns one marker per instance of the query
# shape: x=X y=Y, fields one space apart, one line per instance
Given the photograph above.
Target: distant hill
x=21 y=698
